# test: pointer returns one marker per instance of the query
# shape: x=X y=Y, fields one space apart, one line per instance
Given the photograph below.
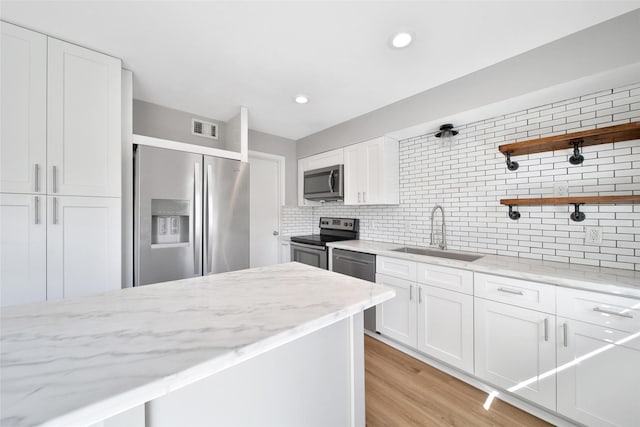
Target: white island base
x=316 y=380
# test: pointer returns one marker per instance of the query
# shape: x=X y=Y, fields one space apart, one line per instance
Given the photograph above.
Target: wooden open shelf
x=576 y=201
x=606 y=135
x=609 y=200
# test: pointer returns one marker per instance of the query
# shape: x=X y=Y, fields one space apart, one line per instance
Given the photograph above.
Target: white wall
x=469 y=177
x=267 y=143
x=607 y=46
x=175 y=125
x=167 y=123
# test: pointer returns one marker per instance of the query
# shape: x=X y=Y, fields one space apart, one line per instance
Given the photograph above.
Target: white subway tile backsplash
x=470 y=177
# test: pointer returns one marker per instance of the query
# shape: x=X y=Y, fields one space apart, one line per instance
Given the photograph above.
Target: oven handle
x=302 y=245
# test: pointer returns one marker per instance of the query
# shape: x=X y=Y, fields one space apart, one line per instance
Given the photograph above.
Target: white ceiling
x=208 y=58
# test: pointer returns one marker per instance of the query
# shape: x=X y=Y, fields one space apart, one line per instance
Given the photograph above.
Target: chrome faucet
x=443 y=243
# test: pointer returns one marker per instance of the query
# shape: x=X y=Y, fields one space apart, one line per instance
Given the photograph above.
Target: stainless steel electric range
x=312 y=249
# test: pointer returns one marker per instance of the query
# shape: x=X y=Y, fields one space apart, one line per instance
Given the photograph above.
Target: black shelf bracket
x=514 y=215
x=512 y=166
x=577 y=216
x=577 y=158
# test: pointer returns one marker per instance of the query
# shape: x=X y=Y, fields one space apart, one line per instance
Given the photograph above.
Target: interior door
x=23 y=110
x=168 y=215
x=83 y=121
x=23 y=251
x=226 y=215
x=264 y=189
x=83 y=246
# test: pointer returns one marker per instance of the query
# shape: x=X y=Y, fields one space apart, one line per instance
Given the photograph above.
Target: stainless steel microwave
x=324 y=183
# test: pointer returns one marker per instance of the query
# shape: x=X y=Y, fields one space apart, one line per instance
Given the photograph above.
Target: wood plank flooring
x=402 y=391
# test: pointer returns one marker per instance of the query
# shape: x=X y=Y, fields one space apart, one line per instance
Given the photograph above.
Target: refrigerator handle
x=197 y=220
x=208 y=221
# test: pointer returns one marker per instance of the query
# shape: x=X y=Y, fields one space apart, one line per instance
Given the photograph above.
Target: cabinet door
x=353 y=174
x=285 y=252
x=515 y=350
x=83 y=121
x=371 y=172
x=323 y=160
x=598 y=375
x=23 y=110
x=23 y=249
x=445 y=326
x=396 y=318
x=83 y=246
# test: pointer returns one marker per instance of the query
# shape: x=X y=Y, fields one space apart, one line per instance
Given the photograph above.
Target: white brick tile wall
x=470 y=177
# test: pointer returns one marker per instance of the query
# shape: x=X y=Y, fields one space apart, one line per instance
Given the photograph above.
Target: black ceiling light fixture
x=446 y=132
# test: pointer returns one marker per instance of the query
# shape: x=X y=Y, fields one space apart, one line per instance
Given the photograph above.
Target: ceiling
x=209 y=58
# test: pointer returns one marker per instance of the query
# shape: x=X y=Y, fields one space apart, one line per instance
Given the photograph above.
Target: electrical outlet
x=593 y=236
x=561 y=189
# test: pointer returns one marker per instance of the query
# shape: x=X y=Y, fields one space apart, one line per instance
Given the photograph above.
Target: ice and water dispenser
x=169 y=222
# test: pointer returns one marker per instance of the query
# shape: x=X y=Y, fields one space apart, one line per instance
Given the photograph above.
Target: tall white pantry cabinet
x=60 y=177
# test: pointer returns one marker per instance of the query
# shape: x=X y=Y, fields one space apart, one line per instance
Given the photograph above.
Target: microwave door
x=325 y=183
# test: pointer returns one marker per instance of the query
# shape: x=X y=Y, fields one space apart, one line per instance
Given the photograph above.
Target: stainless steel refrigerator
x=191 y=215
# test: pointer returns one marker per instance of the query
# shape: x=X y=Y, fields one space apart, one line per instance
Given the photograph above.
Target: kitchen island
x=279 y=345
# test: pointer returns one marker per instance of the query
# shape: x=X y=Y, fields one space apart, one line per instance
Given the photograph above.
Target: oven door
x=324 y=184
x=310 y=255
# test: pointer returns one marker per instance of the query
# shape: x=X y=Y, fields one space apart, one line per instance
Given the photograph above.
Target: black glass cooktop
x=318 y=239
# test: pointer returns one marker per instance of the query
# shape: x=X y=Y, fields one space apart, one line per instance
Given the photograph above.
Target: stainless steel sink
x=438 y=253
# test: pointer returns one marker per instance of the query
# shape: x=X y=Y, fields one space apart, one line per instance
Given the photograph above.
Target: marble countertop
x=608 y=280
x=81 y=360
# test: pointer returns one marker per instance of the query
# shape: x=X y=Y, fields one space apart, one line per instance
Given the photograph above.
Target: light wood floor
x=402 y=391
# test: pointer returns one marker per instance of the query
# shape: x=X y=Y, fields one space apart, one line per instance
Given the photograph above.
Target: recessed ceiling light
x=301 y=99
x=401 y=40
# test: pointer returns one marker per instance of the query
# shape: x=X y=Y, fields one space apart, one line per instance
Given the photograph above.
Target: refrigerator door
x=226 y=215
x=168 y=215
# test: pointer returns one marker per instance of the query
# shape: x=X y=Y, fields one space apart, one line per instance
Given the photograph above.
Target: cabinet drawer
x=446 y=278
x=399 y=268
x=599 y=309
x=522 y=293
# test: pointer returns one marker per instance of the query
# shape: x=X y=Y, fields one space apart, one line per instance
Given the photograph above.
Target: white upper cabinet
x=83 y=246
x=83 y=130
x=22 y=249
x=323 y=160
x=23 y=132
x=372 y=172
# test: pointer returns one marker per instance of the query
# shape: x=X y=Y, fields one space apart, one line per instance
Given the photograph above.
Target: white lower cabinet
x=445 y=326
x=285 y=251
x=396 y=318
x=23 y=251
x=598 y=374
x=83 y=246
x=435 y=321
x=515 y=350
